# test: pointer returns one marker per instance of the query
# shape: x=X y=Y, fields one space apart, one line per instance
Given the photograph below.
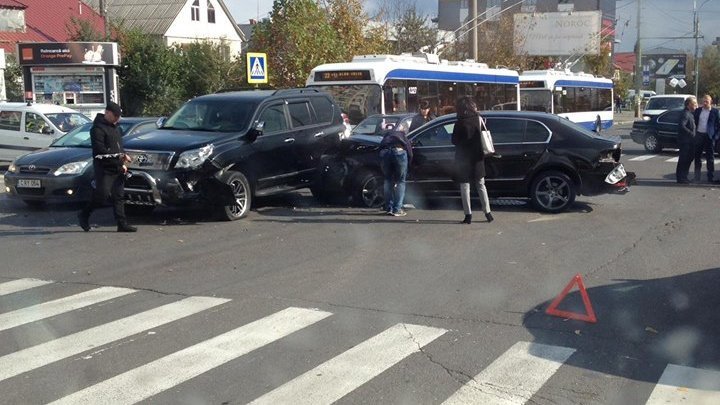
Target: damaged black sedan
x=543 y=157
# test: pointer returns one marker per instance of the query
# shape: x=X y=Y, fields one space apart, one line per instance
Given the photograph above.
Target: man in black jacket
x=109 y=160
x=686 y=141
x=707 y=122
x=422 y=117
x=396 y=155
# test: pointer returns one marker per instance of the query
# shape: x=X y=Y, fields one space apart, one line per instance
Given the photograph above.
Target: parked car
x=658 y=132
x=379 y=123
x=657 y=105
x=63 y=171
x=26 y=127
x=222 y=150
x=540 y=156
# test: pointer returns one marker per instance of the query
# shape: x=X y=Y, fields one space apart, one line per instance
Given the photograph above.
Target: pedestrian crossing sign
x=257 y=67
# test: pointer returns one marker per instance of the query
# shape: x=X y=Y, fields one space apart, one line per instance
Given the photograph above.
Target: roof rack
x=295 y=91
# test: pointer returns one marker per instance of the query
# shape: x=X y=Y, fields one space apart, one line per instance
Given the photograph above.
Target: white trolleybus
x=580 y=97
x=386 y=84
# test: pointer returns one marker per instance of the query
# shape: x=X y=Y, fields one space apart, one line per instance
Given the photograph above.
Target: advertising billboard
x=68 y=53
x=557 y=34
x=665 y=66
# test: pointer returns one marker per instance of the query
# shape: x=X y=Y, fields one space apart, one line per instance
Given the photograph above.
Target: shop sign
x=69 y=53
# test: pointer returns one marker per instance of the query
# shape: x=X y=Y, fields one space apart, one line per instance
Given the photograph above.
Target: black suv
x=223 y=149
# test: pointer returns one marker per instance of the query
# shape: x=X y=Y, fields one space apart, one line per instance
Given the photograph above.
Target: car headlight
x=71 y=168
x=646 y=118
x=12 y=168
x=194 y=158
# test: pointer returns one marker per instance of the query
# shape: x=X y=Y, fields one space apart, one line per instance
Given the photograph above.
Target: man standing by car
x=109 y=160
x=686 y=137
x=396 y=156
x=707 y=120
x=422 y=117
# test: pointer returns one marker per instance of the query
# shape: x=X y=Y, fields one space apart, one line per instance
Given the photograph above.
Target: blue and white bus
x=582 y=98
x=385 y=84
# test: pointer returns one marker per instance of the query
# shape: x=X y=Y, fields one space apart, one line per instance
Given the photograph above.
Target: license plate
x=29 y=183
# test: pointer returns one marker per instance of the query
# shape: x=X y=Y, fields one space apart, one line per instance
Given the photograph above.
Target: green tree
x=709 y=73
x=14 y=88
x=297 y=37
x=207 y=67
x=355 y=30
x=82 y=30
x=413 y=32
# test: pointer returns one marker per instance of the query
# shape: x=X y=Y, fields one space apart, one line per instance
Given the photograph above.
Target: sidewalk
x=625 y=117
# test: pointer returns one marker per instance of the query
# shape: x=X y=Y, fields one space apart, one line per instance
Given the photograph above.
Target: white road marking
x=546 y=218
x=514 y=377
x=21 y=285
x=341 y=375
x=686 y=385
x=151 y=379
x=51 y=308
x=43 y=354
x=673 y=160
x=641 y=158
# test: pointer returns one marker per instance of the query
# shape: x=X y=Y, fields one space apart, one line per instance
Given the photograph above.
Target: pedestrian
x=469 y=157
x=396 y=156
x=109 y=161
x=686 y=140
x=707 y=121
x=618 y=104
x=423 y=116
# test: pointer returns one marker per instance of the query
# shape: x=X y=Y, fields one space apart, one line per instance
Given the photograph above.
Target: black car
x=539 y=156
x=221 y=150
x=63 y=171
x=379 y=123
x=657 y=132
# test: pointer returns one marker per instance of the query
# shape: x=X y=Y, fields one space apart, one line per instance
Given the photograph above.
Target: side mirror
x=160 y=122
x=256 y=131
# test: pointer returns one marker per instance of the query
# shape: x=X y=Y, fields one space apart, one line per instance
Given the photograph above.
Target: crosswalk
x=513 y=378
x=665 y=158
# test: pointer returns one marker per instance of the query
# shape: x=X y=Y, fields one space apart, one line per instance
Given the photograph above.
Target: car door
x=307 y=134
x=39 y=133
x=12 y=143
x=512 y=161
x=667 y=126
x=271 y=152
x=433 y=164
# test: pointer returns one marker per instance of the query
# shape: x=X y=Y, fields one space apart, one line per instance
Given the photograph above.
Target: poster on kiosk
x=79 y=75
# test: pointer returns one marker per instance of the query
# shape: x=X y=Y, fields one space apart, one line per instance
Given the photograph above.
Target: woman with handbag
x=470 y=156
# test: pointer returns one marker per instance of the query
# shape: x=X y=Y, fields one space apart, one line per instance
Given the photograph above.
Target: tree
x=710 y=72
x=14 y=88
x=297 y=37
x=356 y=33
x=206 y=67
x=83 y=31
x=413 y=32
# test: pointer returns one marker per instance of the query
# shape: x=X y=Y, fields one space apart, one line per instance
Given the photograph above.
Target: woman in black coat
x=469 y=157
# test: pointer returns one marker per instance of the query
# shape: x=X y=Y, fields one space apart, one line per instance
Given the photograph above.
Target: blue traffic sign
x=257 y=67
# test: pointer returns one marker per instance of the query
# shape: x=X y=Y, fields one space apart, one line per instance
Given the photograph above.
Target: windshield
x=214 y=115
x=77 y=138
x=375 y=125
x=67 y=121
x=665 y=103
x=536 y=100
x=357 y=101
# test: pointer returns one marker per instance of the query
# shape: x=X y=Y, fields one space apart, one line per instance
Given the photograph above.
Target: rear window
x=323 y=109
x=10 y=120
x=506 y=130
x=536 y=132
x=665 y=103
x=300 y=114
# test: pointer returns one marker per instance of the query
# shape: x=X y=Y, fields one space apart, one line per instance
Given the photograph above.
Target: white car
x=25 y=127
x=657 y=105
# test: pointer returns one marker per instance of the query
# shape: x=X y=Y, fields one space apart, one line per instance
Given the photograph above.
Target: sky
x=659 y=18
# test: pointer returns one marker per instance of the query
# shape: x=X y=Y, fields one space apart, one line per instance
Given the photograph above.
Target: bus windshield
x=536 y=100
x=358 y=101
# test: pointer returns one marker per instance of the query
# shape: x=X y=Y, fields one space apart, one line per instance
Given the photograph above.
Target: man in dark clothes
x=396 y=155
x=686 y=141
x=707 y=122
x=109 y=160
x=422 y=117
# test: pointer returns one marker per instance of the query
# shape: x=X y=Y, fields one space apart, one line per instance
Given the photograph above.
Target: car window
x=10 y=120
x=536 y=132
x=506 y=130
x=323 y=109
x=36 y=124
x=671 y=117
x=665 y=103
x=274 y=119
x=143 y=128
x=375 y=125
x=67 y=121
x=435 y=136
x=300 y=114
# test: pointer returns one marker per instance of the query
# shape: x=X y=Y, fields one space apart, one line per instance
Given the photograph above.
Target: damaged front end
x=608 y=175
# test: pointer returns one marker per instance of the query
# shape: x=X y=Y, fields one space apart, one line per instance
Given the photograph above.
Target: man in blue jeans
x=396 y=155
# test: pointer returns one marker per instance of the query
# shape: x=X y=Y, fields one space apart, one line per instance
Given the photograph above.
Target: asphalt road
x=303 y=303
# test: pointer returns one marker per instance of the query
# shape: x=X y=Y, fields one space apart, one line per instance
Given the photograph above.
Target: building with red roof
x=35 y=21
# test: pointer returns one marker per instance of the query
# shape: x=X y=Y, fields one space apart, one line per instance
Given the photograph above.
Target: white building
x=177 y=21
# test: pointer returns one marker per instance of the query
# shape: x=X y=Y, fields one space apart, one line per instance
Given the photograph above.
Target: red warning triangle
x=589 y=316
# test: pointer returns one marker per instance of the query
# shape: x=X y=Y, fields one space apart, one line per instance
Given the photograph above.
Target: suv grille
x=149 y=160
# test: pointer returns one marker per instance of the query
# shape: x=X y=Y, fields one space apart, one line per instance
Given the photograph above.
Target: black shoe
x=489 y=217
x=126 y=228
x=467 y=220
x=84 y=221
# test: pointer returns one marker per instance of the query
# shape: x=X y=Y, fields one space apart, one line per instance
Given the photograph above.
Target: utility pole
x=474 y=29
x=106 y=20
x=638 y=64
x=696 y=23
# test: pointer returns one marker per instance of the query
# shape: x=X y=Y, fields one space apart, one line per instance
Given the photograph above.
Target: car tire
x=368 y=189
x=139 y=210
x=652 y=143
x=552 y=191
x=243 y=197
x=34 y=204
